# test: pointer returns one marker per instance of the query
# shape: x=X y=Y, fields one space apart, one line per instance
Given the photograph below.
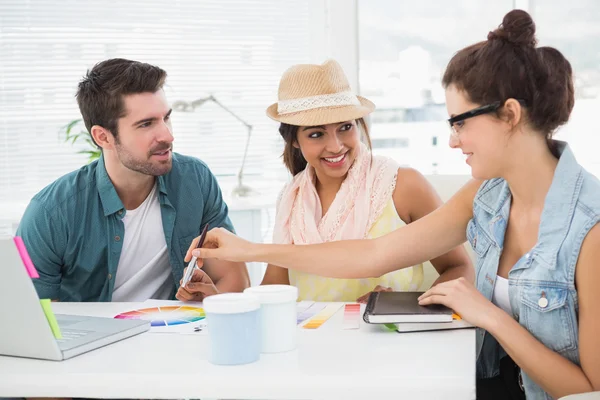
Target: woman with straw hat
x=339 y=190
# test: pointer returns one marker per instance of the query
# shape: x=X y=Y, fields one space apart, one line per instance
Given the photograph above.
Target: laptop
x=24 y=329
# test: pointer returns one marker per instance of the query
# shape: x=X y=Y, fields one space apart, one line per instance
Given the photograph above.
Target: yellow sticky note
x=47 y=307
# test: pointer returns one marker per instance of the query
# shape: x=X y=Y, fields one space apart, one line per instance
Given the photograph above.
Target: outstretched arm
x=425 y=239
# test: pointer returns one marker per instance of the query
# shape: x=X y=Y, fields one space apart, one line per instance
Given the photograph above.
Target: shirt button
x=120 y=212
x=543 y=302
x=117 y=238
x=527 y=255
x=109 y=277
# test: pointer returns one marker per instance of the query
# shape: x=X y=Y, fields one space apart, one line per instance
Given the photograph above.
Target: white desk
x=330 y=363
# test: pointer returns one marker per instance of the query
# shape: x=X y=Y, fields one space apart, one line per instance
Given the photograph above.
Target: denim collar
x=559 y=205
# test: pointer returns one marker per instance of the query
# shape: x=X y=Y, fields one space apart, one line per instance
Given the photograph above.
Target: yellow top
x=318 y=288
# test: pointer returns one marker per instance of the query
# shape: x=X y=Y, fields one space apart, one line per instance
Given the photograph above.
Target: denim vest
x=541 y=290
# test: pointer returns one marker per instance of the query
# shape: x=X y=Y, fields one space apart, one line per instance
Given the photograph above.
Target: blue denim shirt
x=73 y=228
x=542 y=291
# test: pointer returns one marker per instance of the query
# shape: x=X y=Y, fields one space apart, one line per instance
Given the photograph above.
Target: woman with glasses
x=531 y=215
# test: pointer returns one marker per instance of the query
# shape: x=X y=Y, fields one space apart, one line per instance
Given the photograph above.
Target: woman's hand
x=223 y=245
x=365 y=297
x=461 y=296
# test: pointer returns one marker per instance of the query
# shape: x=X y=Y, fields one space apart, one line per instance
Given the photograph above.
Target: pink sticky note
x=25 y=257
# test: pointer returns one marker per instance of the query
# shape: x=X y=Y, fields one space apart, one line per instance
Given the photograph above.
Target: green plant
x=75 y=131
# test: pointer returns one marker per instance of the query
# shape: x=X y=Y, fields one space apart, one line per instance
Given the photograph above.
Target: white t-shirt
x=500 y=296
x=144 y=271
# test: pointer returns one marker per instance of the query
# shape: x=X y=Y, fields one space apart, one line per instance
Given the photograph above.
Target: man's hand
x=199 y=287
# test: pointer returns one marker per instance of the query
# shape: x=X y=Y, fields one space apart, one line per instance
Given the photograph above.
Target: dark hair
x=100 y=93
x=508 y=65
x=292 y=156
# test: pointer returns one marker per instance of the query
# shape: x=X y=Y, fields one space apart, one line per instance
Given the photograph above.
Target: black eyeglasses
x=479 y=111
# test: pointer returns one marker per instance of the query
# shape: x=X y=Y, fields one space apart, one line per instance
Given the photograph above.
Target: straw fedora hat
x=312 y=95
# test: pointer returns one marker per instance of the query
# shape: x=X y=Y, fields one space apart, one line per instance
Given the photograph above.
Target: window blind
x=234 y=50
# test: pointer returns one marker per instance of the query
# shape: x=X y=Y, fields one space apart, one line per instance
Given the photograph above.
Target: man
x=118 y=228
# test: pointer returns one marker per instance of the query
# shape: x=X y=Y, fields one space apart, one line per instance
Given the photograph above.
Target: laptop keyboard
x=72 y=334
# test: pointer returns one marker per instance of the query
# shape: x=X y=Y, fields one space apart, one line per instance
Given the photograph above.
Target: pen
x=192 y=264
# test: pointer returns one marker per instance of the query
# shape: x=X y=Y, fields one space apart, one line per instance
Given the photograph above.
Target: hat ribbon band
x=310 y=103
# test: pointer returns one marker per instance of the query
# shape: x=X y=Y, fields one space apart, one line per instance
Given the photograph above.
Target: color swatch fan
x=166 y=316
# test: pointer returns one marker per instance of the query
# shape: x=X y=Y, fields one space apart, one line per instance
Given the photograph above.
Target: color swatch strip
x=351 y=316
x=309 y=312
x=303 y=305
x=322 y=316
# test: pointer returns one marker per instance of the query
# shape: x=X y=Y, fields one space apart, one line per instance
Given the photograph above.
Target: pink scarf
x=357 y=205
